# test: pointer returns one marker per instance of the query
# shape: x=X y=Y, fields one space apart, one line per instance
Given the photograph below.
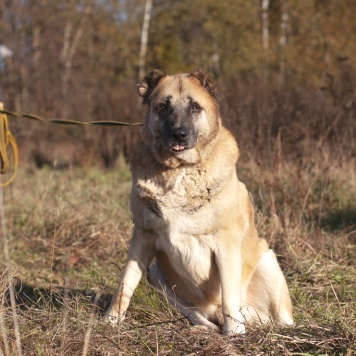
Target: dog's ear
x=146 y=87
x=207 y=82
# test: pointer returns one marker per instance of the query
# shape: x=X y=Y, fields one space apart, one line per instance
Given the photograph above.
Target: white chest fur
x=190 y=255
x=183 y=201
x=181 y=216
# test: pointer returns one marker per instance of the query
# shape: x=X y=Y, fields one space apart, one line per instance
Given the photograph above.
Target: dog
x=194 y=223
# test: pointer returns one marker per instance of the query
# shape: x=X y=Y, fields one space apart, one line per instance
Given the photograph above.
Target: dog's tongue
x=178 y=148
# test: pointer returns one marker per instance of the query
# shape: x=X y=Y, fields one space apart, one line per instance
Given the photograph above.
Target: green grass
x=85 y=214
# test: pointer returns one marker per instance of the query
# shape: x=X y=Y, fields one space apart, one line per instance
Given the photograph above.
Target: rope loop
x=7 y=140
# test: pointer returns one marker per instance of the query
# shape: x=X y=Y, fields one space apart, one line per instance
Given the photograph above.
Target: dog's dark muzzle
x=179 y=138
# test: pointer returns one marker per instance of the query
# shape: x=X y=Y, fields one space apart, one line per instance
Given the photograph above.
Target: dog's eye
x=161 y=107
x=196 y=108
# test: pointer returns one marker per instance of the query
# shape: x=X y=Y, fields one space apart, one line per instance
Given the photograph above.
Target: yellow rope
x=6 y=140
x=68 y=122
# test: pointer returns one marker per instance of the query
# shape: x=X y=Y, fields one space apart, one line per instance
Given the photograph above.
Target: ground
x=68 y=233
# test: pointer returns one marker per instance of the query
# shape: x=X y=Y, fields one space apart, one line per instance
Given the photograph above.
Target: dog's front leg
x=140 y=255
x=228 y=258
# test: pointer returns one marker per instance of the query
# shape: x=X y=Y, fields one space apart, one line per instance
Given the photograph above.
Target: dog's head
x=183 y=116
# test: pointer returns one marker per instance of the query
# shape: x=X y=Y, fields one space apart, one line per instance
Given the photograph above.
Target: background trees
x=80 y=59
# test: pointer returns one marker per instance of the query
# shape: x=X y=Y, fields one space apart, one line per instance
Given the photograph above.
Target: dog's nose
x=179 y=133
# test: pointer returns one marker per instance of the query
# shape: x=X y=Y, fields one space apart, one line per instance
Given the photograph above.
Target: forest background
x=274 y=60
x=286 y=73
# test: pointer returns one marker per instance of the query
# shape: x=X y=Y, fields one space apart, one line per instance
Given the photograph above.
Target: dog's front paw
x=209 y=328
x=234 y=327
x=238 y=330
x=285 y=318
x=113 y=317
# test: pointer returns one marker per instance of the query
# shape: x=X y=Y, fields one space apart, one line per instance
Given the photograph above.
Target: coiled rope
x=7 y=140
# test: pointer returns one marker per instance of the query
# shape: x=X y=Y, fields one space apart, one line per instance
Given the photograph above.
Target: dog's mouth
x=178 y=148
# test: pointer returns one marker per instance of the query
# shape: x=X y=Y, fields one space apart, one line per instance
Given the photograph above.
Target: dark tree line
x=273 y=59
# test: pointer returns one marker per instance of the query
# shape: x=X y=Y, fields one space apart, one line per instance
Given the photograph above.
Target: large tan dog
x=194 y=222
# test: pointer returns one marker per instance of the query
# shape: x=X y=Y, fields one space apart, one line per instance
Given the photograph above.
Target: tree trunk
x=144 y=38
x=265 y=36
x=265 y=25
x=284 y=26
x=67 y=55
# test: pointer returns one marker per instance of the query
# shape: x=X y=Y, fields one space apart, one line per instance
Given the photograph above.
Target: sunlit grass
x=88 y=212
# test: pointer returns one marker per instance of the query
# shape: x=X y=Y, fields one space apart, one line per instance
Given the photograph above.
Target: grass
x=68 y=234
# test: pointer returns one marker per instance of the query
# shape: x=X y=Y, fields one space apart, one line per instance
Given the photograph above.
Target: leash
x=7 y=140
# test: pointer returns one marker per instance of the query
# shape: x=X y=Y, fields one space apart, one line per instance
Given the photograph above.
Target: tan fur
x=194 y=222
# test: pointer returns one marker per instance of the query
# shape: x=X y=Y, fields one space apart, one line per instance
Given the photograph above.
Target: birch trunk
x=265 y=36
x=144 y=38
x=68 y=52
x=282 y=43
x=265 y=25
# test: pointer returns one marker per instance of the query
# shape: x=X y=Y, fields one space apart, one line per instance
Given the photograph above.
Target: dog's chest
x=189 y=255
x=182 y=216
x=183 y=204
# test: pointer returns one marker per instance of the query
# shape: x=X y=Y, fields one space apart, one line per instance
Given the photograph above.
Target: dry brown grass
x=69 y=229
x=68 y=237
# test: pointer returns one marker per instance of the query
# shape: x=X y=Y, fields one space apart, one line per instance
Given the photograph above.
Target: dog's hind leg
x=268 y=292
x=197 y=318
